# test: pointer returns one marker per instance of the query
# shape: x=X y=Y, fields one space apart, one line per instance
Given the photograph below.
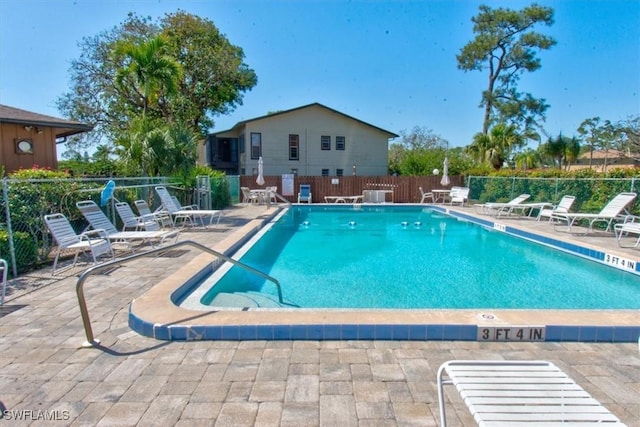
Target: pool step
x=245 y=299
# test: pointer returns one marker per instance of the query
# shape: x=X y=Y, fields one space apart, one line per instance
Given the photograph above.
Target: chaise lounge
x=520 y=393
x=608 y=214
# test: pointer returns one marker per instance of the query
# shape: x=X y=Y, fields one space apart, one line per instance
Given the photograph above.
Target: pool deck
x=131 y=379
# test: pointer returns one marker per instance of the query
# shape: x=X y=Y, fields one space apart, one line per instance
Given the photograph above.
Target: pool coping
x=154 y=314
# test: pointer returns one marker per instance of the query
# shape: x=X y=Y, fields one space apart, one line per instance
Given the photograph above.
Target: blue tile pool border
x=396 y=332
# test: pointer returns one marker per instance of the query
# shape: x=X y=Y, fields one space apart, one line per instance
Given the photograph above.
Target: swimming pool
x=410 y=257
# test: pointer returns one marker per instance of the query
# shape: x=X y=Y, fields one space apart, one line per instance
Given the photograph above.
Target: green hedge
x=26 y=250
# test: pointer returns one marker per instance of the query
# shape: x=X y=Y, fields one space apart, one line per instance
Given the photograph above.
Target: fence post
x=12 y=251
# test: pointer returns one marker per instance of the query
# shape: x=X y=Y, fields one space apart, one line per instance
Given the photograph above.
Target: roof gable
x=315 y=104
x=24 y=117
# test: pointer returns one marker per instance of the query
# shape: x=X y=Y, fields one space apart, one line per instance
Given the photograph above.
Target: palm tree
x=495 y=147
x=556 y=148
x=527 y=159
x=572 y=151
x=152 y=146
x=149 y=75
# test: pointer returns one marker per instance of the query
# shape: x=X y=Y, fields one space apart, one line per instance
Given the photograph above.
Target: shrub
x=26 y=250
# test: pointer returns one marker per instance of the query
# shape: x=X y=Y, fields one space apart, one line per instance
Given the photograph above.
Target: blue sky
x=389 y=63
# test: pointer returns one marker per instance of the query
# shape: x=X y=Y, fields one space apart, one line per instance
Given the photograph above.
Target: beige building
x=312 y=140
x=602 y=161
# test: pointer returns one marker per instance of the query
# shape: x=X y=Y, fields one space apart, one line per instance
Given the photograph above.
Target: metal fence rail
x=25 y=242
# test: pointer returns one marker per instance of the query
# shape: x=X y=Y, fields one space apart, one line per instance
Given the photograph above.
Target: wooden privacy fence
x=405 y=188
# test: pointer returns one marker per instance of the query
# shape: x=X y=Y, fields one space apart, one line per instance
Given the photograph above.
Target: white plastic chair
x=162 y=217
x=131 y=221
x=424 y=196
x=96 y=242
x=188 y=214
x=562 y=207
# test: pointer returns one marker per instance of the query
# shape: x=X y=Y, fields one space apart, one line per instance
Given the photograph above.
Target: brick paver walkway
x=135 y=380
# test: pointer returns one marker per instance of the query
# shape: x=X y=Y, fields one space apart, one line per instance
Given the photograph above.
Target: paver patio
x=135 y=380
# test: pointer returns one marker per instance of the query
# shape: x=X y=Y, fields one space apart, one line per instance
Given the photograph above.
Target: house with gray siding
x=311 y=140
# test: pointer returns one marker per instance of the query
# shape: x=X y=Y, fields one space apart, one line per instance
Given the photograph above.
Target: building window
x=339 y=172
x=340 y=142
x=325 y=172
x=256 y=145
x=325 y=142
x=293 y=147
x=241 y=142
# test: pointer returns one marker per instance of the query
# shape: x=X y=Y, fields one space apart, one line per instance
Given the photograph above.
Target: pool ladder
x=91 y=341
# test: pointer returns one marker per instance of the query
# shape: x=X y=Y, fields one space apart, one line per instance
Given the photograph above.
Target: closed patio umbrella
x=260 y=179
x=445 y=173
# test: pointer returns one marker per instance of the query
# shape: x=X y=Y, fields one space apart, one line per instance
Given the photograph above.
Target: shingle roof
x=64 y=127
x=240 y=123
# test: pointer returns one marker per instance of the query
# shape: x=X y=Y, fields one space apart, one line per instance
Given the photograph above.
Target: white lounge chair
x=608 y=214
x=562 y=207
x=520 y=393
x=304 y=194
x=186 y=214
x=137 y=223
x=630 y=227
x=98 y=220
x=162 y=217
x=95 y=242
x=424 y=196
x=494 y=208
x=459 y=195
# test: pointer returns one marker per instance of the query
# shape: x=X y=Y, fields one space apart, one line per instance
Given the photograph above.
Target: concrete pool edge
x=155 y=315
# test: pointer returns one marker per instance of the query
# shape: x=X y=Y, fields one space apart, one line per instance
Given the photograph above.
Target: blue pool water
x=412 y=257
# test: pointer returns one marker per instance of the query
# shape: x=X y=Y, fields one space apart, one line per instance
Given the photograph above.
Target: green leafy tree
x=495 y=147
x=213 y=76
x=506 y=45
x=527 y=159
x=572 y=151
x=630 y=134
x=153 y=149
x=598 y=134
x=562 y=150
x=149 y=77
x=418 y=152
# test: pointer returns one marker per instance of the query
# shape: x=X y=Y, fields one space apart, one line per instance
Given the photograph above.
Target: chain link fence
x=25 y=242
x=592 y=194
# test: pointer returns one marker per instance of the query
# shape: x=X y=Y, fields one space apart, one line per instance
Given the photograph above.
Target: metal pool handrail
x=91 y=341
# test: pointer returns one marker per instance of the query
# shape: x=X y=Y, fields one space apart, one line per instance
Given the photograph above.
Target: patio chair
x=424 y=196
x=459 y=195
x=162 y=217
x=131 y=221
x=95 y=242
x=562 y=207
x=186 y=214
x=271 y=193
x=608 y=214
x=248 y=196
x=98 y=220
x=304 y=194
x=520 y=393
x=497 y=208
